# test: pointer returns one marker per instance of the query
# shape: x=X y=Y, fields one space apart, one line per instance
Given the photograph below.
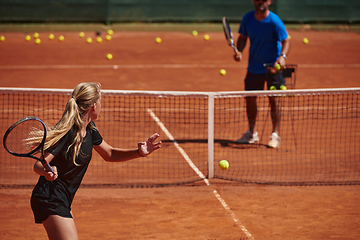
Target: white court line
x=170 y=66
x=198 y=172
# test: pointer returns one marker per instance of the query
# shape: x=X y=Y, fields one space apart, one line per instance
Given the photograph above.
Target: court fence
x=320 y=136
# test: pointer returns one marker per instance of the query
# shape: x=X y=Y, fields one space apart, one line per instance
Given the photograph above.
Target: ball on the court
x=223 y=164
x=61 y=38
x=51 y=36
x=81 y=34
x=195 y=33
x=283 y=87
x=158 y=40
x=2 y=38
x=37 y=41
x=89 y=40
x=109 y=56
x=305 y=40
x=272 y=88
x=277 y=67
x=110 y=32
x=27 y=38
x=108 y=37
x=223 y=72
x=206 y=37
x=36 y=35
x=99 y=39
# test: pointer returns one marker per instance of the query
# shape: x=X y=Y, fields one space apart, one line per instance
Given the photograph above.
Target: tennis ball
x=27 y=38
x=194 y=33
x=108 y=37
x=272 y=88
x=61 y=38
x=223 y=164
x=110 y=32
x=283 y=87
x=305 y=40
x=2 y=38
x=89 y=40
x=37 y=41
x=81 y=34
x=36 y=35
x=99 y=39
x=206 y=37
x=277 y=67
x=158 y=40
x=51 y=36
x=109 y=56
x=222 y=71
x=289 y=37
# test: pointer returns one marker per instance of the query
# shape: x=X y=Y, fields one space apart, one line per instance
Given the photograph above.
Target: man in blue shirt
x=269 y=44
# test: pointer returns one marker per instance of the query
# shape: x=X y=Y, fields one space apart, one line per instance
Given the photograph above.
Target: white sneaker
x=275 y=140
x=248 y=137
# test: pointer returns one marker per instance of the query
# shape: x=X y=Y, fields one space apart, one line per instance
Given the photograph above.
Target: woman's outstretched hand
x=147 y=147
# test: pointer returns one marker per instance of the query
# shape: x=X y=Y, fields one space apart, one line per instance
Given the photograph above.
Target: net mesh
x=320 y=135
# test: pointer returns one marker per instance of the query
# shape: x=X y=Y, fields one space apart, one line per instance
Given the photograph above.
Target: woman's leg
x=60 y=228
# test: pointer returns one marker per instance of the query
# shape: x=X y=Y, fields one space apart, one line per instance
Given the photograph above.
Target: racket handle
x=48 y=167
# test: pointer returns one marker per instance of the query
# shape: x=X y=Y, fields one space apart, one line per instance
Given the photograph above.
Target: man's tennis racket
x=228 y=34
x=25 y=138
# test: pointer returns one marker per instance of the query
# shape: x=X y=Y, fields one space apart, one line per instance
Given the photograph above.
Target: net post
x=210 y=135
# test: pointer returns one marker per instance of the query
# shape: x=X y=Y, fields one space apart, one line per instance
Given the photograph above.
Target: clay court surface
x=183 y=62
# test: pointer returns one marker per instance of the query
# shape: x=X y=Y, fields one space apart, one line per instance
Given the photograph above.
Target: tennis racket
x=25 y=138
x=228 y=34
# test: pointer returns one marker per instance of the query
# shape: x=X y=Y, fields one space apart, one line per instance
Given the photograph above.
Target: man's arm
x=284 y=51
x=241 y=43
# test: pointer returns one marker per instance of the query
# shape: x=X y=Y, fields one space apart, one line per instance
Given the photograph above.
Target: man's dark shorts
x=255 y=82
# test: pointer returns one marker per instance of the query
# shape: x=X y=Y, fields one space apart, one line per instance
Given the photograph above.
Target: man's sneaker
x=248 y=137
x=275 y=140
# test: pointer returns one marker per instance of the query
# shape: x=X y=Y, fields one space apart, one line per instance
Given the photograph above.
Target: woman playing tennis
x=68 y=149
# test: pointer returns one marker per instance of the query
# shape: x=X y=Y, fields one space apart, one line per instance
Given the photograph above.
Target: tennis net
x=320 y=136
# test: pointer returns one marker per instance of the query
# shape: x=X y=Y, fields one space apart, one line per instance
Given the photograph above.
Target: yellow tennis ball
x=305 y=40
x=61 y=38
x=36 y=35
x=110 y=32
x=37 y=41
x=51 y=36
x=99 y=39
x=283 y=87
x=195 y=33
x=89 y=40
x=27 y=38
x=222 y=71
x=223 y=164
x=158 y=40
x=206 y=37
x=277 y=67
x=2 y=38
x=109 y=56
x=272 y=88
x=81 y=34
x=108 y=37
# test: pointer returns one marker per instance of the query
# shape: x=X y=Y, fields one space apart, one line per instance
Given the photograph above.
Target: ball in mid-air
x=81 y=34
x=223 y=72
x=194 y=33
x=89 y=40
x=223 y=164
x=206 y=37
x=158 y=40
x=305 y=40
x=51 y=36
x=109 y=56
x=61 y=38
x=277 y=67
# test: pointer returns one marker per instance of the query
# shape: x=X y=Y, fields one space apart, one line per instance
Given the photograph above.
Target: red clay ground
x=183 y=63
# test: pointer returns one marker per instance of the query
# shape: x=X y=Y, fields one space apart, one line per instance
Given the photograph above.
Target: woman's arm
x=111 y=154
x=39 y=168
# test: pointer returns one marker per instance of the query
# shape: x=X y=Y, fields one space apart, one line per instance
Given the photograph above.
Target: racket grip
x=48 y=167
